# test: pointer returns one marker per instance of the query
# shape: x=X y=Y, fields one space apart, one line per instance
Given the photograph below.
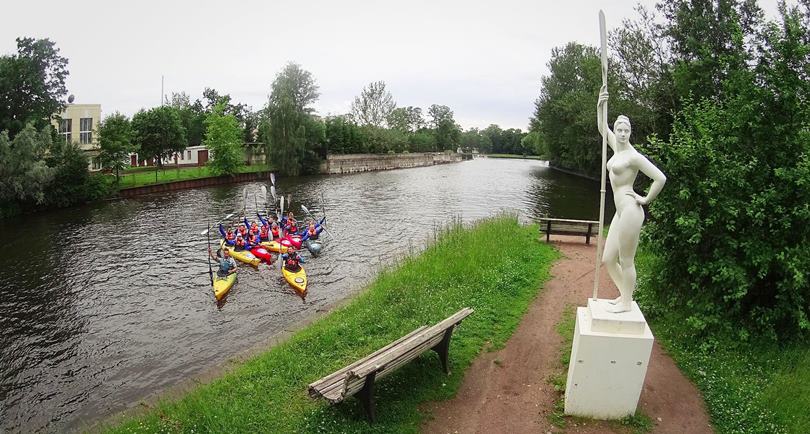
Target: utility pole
x=161 y=90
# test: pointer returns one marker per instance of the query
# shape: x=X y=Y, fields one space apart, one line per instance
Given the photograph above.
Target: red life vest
x=230 y=236
x=292 y=262
x=312 y=231
x=254 y=239
x=263 y=232
x=240 y=242
x=275 y=231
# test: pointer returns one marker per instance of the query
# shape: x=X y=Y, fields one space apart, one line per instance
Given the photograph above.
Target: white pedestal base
x=609 y=360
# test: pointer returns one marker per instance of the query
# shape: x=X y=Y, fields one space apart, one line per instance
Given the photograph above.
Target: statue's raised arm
x=601 y=118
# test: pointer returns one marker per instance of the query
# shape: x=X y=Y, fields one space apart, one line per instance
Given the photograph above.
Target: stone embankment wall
x=192 y=183
x=354 y=163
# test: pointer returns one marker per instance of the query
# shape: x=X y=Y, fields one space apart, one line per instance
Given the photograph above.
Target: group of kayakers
x=250 y=234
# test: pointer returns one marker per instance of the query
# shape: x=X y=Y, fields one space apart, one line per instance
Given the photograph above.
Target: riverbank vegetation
x=141 y=176
x=268 y=393
x=719 y=98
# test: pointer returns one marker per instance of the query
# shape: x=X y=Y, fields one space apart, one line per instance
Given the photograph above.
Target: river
x=104 y=305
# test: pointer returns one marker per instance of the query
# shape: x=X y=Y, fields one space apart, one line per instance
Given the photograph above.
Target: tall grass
x=751 y=386
x=141 y=176
x=462 y=268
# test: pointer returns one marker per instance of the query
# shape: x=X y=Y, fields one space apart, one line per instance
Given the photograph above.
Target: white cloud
x=483 y=59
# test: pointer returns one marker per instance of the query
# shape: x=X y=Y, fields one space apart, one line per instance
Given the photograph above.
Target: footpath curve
x=508 y=391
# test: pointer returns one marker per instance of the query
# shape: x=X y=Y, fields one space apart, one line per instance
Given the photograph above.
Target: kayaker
x=292 y=225
x=229 y=236
x=292 y=261
x=264 y=232
x=239 y=244
x=253 y=239
x=226 y=263
x=274 y=229
x=254 y=228
x=242 y=230
x=312 y=230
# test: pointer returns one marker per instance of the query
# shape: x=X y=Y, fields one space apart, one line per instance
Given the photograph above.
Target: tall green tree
x=373 y=106
x=115 y=140
x=223 y=137
x=158 y=133
x=24 y=174
x=32 y=85
x=192 y=116
x=288 y=119
x=406 y=119
x=445 y=128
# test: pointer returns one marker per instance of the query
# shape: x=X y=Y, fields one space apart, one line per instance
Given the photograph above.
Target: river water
x=106 y=304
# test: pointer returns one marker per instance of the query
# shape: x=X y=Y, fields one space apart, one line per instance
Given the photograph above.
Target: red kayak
x=262 y=253
x=291 y=241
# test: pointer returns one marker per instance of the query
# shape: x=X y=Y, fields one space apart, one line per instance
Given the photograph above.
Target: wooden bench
x=359 y=377
x=587 y=228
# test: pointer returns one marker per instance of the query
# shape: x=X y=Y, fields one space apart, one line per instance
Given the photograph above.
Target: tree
x=373 y=106
x=192 y=116
x=32 y=85
x=24 y=173
x=406 y=119
x=158 y=133
x=475 y=139
x=115 y=141
x=224 y=138
x=734 y=242
x=445 y=128
x=290 y=143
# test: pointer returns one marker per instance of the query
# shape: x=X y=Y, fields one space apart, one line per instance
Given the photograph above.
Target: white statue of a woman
x=622 y=240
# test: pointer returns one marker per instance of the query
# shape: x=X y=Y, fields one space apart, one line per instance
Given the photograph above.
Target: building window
x=86 y=131
x=96 y=163
x=189 y=155
x=65 y=127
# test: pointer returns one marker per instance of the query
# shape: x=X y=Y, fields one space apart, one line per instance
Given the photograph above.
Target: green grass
x=753 y=386
x=268 y=393
x=527 y=157
x=141 y=176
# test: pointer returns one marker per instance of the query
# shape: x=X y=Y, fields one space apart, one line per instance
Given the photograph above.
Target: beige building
x=79 y=124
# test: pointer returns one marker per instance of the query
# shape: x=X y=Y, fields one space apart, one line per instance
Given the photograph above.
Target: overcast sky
x=483 y=59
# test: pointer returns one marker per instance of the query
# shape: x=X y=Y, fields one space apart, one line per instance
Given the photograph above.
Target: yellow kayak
x=274 y=246
x=222 y=285
x=298 y=280
x=242 y=255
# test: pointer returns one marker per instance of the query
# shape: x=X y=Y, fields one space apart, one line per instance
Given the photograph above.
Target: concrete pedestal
x=609 y=360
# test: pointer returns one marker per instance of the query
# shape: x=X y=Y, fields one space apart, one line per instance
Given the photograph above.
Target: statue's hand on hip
x=641 y=200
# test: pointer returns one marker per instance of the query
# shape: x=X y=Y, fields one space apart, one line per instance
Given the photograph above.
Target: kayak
x=274 y=246
x=262 y=253
x=298 y=280
x=291 y=241
x=314 y=247
x=242 y=255
x=222 y=285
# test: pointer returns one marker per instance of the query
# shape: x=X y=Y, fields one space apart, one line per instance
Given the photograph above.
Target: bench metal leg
x=443 y=348
x=548 y=230
x=588 y=235
x=366 y=395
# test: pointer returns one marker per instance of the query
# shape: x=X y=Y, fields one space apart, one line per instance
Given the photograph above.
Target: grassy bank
x=526 y=157
x=146 y=176
x=750 y=386
x=462 y=268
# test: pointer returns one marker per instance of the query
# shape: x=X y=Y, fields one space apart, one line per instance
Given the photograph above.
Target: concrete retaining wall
x=354 y=163
x=192 y=183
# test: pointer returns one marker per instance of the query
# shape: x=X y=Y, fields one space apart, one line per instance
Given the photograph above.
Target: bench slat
x=319 y=387
x=552 y=220
x=583 y=229
x=355 y=383
x=383 y=359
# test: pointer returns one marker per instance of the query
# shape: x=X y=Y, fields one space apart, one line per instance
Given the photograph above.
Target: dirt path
x=508 y=391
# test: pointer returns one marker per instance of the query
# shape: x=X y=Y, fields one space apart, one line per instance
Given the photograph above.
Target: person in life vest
x=242 y=230
x=239 y=244
x=274 y=229
x=292 y=225
x=226 y=263
x=253 y=239
x=264 y=232
x=292 y=262
x=229 y=236
x=312 y=230
x=254 y=228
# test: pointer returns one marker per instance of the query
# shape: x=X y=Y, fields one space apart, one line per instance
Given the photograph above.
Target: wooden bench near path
x=359 y=377
x=587 y=228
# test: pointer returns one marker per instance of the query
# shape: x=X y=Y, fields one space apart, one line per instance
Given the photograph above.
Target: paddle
x=223 y=219
x=210 y=270
x=603 y=50
x=280 y=235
